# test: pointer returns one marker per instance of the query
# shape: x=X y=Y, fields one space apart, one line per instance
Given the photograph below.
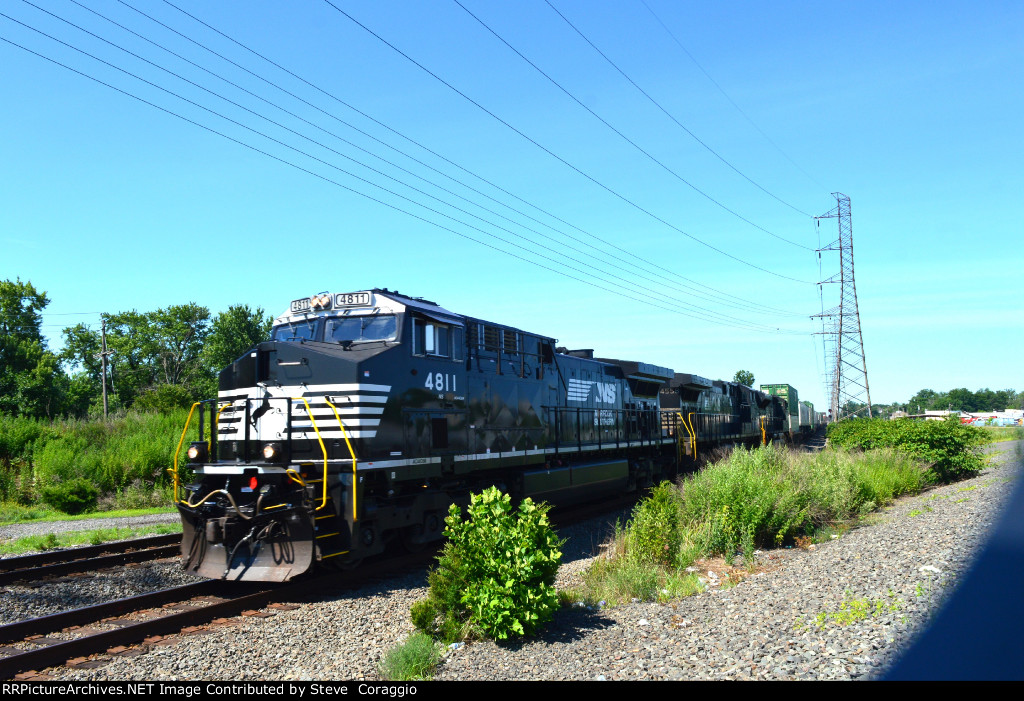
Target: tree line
x=160 y=359
x=959 y=399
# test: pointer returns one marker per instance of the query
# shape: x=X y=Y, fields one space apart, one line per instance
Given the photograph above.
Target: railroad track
x=87 y=559
x=76 y=635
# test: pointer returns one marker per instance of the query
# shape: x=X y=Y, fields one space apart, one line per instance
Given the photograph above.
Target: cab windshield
x=358 y=329
x=304 y=330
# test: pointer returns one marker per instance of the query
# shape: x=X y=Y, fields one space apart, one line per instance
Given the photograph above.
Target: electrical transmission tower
x=844 y=346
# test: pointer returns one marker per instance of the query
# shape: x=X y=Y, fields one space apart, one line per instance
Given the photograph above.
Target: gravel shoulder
x=23 y=530
x=778 y=624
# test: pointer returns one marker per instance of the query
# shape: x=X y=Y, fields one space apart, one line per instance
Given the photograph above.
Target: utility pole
x=103 y=360
x=844 y=344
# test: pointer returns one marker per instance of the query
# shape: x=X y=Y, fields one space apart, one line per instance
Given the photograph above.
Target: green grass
x=413 y=660
x=998 y=434
x=124 y=456
x=16 y=513
x=54 y=541
x=752 y=499
x=767 y=497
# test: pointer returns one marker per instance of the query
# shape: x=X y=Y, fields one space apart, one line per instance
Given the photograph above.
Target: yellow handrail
x=216 y=423
x=693 y=432
x=350 y=452
x=688 y=430
x=174 y=470
x=323 y=449
x=764 y=439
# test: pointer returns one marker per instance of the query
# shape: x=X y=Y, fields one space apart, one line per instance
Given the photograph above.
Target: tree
x=31 y=380
x=151 y=349
x=231 y=334
x=744 y=377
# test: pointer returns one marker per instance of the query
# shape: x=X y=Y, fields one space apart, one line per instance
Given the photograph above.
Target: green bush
x=71 y=497
x=164 y=398
x=654 y=535
x=951 y=448
x=495 y=576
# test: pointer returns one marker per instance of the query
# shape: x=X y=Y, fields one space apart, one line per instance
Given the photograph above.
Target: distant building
x=1010 y=417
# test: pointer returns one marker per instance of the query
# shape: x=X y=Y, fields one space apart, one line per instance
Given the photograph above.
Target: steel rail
x=33 y=567
x=35 y=560
x=59 y=653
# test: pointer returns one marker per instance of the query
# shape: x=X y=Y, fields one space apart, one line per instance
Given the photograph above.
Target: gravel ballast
x=780 y=623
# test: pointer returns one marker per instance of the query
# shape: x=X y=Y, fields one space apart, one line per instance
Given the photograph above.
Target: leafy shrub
x=496 y=574
x=951 y=448
x=71 y=497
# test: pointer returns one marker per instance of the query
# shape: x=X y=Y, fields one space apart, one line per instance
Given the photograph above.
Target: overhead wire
x=731 y=101
x=623 y=136
x=684 y=127
x=673 y=273
x=556 y=156
x=689 y=305
x=360 y=148
x=350 y=189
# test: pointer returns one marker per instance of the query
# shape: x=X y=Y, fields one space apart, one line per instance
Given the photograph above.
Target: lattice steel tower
x=844 y=346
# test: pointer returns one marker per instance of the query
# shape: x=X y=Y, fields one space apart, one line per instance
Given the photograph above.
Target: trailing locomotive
x=366 y=414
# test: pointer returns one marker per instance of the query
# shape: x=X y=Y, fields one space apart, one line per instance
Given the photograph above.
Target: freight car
x=366 y=414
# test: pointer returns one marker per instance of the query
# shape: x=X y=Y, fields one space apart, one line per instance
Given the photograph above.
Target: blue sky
x=913 y=110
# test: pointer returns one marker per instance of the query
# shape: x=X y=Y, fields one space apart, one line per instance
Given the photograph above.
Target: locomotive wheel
x=341 y=563
x=407 y=537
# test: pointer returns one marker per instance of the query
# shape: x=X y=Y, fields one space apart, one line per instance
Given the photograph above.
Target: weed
x=413 y=660
x=960 y=501
x=853 y=610
x=968 y=489
x=918 y=512
x=932 y=573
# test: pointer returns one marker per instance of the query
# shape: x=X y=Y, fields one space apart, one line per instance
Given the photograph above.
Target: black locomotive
x=366 y=414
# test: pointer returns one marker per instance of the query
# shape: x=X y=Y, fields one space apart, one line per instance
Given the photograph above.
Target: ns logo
x=579 y=391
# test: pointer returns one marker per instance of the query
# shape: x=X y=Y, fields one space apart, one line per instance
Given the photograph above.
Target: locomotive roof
x=380 y=300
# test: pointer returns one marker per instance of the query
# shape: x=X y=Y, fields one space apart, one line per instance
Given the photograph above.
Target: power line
x=356 y=146
x=693 y=307
x=365 y=195
x=556 y=156
x=614 y=246
x=628 y=140
x=722 y=90
x=683 y=127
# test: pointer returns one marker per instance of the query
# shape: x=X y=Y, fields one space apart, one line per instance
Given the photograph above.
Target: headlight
x=271 y=452
x=197 y=452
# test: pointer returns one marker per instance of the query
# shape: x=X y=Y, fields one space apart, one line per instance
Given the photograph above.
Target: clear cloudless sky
x=696 y=256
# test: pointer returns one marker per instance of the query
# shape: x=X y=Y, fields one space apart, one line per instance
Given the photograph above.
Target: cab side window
x=436 y=340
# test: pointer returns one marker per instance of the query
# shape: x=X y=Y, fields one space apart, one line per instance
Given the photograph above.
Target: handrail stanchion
x=177 y=452
x=693 y=433
x=350 y=452
x=323 y=448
